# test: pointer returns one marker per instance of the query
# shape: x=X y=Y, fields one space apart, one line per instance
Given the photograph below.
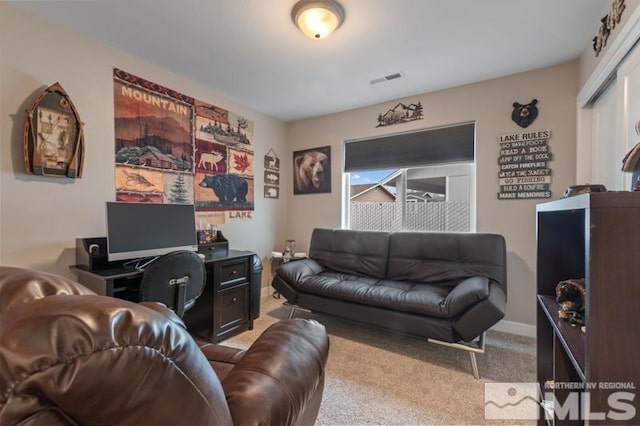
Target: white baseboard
x=519 y=328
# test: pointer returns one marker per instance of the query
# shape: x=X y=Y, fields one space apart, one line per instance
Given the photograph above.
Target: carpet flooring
x=376 y=377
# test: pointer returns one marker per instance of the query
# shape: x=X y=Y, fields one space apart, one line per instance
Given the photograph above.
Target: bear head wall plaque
x=524 y=115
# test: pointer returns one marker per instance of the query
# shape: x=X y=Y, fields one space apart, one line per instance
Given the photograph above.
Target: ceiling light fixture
x=317 y=18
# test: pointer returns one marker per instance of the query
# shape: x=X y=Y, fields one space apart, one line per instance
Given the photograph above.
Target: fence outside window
x=441 y=216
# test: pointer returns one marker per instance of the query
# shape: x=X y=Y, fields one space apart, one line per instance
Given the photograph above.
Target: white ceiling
x=251 y=52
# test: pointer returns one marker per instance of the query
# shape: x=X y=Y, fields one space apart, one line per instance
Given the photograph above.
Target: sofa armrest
x=483 y=315
x=466 y=294
x=290 y=274
x=293 y=272
x=280 y=379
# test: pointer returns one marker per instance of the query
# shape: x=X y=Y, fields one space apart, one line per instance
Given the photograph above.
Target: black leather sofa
x=447 y=287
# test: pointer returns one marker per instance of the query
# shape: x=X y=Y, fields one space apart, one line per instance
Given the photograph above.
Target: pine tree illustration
x=179 y=194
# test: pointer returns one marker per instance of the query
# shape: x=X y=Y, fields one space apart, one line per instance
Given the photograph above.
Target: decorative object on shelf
x=524 y=115
x=583 y=189
x=609 y=22
x=401 y=113
x=317 y=18
x=53 y=139
x=631 y=161
x=271 y=175
x=312 y=171
x=524 y=165
x=289 y=250
x=570 y=295
x=208 y=236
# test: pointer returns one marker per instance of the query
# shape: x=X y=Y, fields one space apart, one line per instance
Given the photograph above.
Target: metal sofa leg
x=293 y=309
x=474 y=365
x=470 y=348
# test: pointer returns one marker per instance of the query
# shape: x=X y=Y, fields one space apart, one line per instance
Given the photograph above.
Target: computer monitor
x=143 y=230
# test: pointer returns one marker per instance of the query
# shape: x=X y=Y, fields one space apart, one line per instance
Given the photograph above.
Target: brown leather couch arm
x=87 y=359
x=280 y=379
x=70 y=357
x=222 y=358
x=18 y=285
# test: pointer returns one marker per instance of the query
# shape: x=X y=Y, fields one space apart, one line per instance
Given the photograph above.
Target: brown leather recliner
x=71 y=357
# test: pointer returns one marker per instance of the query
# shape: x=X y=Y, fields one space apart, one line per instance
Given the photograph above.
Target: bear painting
x=229 y=189
x=524 y=115
x=312 y=171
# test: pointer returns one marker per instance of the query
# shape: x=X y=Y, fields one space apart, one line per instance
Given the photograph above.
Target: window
x=437 y=194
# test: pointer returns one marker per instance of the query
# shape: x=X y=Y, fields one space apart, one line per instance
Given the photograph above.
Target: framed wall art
x=271 y=191
x=312 y=171
x=173 y=148
x=53 y=140
x=271 y=160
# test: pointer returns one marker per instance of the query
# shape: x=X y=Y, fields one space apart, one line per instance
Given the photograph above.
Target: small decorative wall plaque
x=53 y=140
x=271 y=175
x=401 y=113
x=524 y=115
x=271 y=160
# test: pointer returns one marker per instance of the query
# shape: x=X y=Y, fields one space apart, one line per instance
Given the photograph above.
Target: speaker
x=92 y=253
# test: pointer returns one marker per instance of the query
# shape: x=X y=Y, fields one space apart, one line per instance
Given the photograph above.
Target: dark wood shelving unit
x=596 y=237
x=570 y=337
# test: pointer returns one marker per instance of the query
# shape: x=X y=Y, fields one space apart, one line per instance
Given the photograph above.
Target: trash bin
x=256 y=287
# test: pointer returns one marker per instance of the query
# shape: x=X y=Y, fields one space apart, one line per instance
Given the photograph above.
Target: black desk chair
x=176 y=279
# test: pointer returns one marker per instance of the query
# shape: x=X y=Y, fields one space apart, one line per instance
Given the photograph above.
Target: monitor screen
x=137 y=230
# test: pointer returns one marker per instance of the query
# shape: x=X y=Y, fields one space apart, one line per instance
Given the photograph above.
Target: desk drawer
x=234 y=309
x=232 y=272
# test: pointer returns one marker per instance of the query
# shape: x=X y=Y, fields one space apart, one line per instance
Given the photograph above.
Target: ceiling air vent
x=385 y=78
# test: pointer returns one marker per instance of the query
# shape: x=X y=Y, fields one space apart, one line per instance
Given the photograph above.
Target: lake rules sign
x=524 y=165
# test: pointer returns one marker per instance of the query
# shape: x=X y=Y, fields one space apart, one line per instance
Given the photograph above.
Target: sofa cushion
x=426 y=299
x=355 y=252
x=432 y=257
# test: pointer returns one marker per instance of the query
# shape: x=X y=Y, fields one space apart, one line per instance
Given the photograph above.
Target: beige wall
x=489 y=104
x=40 y=217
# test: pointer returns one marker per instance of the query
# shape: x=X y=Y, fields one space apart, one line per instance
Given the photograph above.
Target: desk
x=229 y=302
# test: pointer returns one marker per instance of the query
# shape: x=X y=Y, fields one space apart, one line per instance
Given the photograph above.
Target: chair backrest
x=176 y=279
